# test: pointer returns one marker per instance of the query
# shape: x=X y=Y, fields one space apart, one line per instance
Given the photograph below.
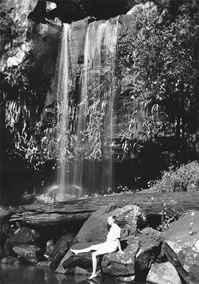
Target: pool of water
x=20 y=274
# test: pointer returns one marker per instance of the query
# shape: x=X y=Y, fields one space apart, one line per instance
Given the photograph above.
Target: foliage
x=159 y=64
x=22 y=112
x=111 y=191
x=170 y=214
x=184 y=178
x=10 y=30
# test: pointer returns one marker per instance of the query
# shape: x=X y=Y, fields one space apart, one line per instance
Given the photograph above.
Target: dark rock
x=24 y=235
x=4 y=214
x=163 y=273
x=8 y=251
x=60 y=249
x=181 y=245
x=150 y=247
x=70 y=261
x=27 y=252
x=3 y=238
x=9 y=260
x=78 y=270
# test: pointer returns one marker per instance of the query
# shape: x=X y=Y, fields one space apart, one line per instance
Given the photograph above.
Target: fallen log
x=43 y=214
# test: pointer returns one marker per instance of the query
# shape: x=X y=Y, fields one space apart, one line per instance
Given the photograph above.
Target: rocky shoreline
x=163 y=248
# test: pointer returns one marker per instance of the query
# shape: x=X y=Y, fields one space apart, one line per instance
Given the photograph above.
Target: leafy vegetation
x=184 y=178
x=159 y=63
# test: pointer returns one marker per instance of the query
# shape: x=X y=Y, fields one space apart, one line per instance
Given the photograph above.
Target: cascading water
x=63 y=112
x=95 y=122
x=93 y=136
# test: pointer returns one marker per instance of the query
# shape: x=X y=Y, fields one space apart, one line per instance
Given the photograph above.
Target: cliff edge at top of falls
x=40 y=20
x=73 y=10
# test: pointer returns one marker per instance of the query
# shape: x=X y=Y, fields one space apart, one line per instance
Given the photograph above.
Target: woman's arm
x=119 y=245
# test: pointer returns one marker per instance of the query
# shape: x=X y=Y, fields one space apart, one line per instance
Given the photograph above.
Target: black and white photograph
x=99 y=141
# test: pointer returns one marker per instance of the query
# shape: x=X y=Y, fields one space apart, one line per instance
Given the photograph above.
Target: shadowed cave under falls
x=85 y=128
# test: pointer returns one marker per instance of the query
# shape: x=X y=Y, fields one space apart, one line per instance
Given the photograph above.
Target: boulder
x=27 y=252
x=24 y=235
x=139 y=252
x=70 y=261
x=150 y=248
x=9 y=260
x=181 y=246
x=60 y=249
x=116 y=264
x=163 y=273
x=130 y=218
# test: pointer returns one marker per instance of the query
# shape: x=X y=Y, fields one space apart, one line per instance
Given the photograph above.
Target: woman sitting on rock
x=111 y=245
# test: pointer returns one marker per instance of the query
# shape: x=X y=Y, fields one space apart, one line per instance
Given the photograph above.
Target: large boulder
x=181 y=245
x=163 y=273
x=116 y=264
x=130 y=218
x=140 y=251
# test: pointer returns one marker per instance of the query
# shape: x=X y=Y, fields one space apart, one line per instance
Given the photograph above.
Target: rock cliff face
x=38 y=24
x=73 y=10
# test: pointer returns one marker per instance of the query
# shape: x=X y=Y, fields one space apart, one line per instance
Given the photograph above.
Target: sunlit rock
x=143 y=8
x=115 y=264
x=163 y=273
x=181 y=245
x=130 y=218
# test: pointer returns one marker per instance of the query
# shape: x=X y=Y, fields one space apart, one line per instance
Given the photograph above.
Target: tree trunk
x=40 y=214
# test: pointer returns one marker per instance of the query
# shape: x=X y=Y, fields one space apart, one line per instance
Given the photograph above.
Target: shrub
x=184 y=178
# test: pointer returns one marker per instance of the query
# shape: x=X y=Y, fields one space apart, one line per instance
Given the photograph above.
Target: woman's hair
x=114 y=217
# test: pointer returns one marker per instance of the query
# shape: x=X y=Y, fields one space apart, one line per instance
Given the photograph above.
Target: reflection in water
x=19 y=274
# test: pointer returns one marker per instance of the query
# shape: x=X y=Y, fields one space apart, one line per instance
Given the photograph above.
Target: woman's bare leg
x=94 y=261
x=77 y=251
x=93 y=247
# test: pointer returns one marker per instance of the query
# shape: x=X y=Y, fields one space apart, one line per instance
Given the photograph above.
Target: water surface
x=20 y=274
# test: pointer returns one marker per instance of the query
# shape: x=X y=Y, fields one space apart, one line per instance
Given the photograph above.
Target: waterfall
x=95 y=121
x=63 y=113
x=93 y=137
